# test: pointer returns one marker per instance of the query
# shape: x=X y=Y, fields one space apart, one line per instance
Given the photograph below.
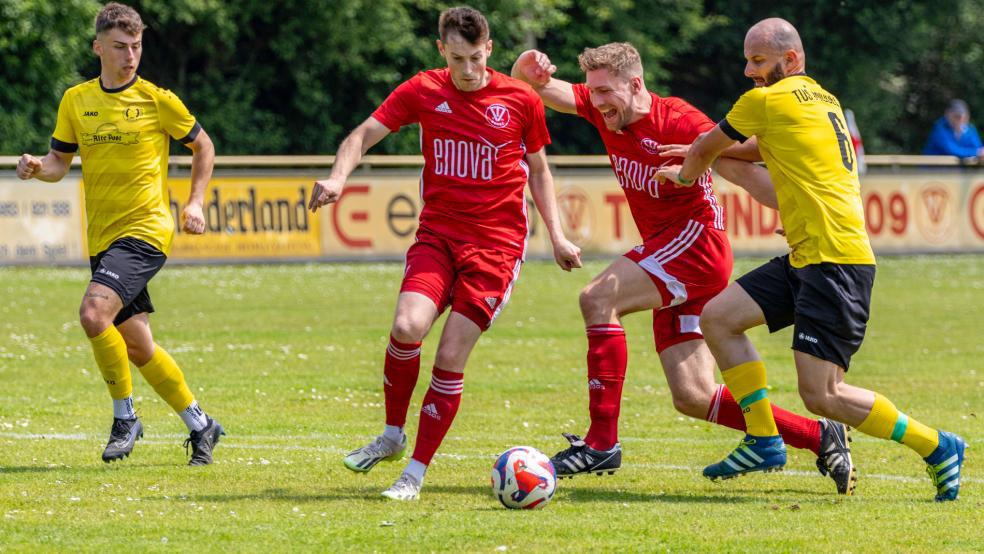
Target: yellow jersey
x=804 y=140
x=123 y=137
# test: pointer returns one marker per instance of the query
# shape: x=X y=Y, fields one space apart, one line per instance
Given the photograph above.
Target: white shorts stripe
x=679 y=244
x=508 y=293
x=654 y=262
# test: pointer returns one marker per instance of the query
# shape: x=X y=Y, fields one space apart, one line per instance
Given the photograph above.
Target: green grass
x=289 y=359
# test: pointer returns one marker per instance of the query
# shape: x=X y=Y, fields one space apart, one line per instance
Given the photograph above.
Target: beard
x=777 y=74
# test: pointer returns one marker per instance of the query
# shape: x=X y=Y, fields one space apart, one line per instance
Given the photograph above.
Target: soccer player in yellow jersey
x=121 y=126
x=823 y=286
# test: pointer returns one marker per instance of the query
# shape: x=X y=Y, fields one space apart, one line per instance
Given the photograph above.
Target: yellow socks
x=748 y=385
x=109 y=350
x=885 y=421
x=165 y=376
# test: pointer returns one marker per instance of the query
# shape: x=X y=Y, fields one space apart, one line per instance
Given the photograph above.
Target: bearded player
x=684 y=261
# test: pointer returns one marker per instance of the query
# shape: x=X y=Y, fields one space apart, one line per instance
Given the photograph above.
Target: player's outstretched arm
x=753 y=178
x=701 y=154
x=202 y=164
x=50 y=168
x=747 y=151
x=566 y=253
x=355 y=145
x=534 y=68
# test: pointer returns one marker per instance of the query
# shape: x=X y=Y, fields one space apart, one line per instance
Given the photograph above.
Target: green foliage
x=896 y=64
x=294 y=76
x=43 y=45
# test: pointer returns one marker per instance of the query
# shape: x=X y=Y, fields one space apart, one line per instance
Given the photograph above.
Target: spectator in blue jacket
x=953 y=135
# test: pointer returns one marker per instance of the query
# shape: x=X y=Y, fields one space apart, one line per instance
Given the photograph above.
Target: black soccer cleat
x=203 y=442
x=581 y=458
x=122 y=437
x=835 y=456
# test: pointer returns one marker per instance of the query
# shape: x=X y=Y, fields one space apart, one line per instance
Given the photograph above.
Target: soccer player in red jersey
x=482 y=136
x=684 y=261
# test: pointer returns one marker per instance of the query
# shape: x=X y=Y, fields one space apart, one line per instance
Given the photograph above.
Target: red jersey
x=632 y=151
x=474 y=144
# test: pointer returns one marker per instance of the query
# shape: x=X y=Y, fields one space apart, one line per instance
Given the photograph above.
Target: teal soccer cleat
x=753 y=454
x=944 y=466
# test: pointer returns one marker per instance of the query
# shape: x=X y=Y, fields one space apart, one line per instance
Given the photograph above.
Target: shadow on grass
x=285 y=495
x=102 y=467
x=594 y=495
x=370 y=494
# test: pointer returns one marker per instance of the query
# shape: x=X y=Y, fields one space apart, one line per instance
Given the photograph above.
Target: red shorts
x=475 y=281
x=689 y=265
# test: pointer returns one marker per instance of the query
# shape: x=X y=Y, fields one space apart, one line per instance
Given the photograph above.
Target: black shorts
x=827 y=304
x=126 y=267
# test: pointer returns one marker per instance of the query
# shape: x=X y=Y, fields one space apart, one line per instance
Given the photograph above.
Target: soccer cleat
x=753 y=454
x=382 y=449
x=203 y=442
x=581 y=458
x=122 y=437
x=944 y=466
x=835 y=456
x=405 y=488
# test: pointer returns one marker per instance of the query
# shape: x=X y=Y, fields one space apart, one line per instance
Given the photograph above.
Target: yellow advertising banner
x=265 y=218
x=41 y=222
x=376 y=217
x=248 y=219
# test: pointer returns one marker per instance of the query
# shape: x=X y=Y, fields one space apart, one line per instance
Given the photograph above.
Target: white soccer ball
x=523 y=478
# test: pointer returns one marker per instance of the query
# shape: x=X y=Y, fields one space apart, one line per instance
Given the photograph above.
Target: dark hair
x=468 y=23
x=118 y=16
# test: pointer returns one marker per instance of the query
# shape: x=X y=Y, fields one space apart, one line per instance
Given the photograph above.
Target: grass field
x=289 y=359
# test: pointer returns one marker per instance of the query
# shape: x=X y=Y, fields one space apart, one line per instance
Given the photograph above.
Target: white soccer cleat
x=405 y=488
x=361 y=460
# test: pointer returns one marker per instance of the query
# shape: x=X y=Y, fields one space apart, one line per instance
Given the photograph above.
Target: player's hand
x=671 y=173
x=673 y=150
x=28 y=166
x=192 y=219
x=325 y=192
x=535 y=68
x=567 y=254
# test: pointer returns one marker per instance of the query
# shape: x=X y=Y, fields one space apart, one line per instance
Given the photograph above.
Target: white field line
x=82 y=437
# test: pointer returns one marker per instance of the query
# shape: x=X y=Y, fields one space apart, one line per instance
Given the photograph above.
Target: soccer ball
x=523 y=478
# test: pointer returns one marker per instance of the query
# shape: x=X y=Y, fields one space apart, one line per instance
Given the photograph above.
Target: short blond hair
x=621 y=58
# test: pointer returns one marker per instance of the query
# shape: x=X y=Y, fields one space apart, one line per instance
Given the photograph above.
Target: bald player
x=823 y=286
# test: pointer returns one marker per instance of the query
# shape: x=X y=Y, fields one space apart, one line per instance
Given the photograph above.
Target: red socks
x=797 y=431
x=437 y=412
x=400 y=372
x=607 y=358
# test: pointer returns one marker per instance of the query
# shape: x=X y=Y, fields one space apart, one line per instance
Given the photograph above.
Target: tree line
x=293 y=76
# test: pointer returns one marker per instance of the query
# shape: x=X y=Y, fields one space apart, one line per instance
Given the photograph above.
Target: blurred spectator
x=953 y=135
